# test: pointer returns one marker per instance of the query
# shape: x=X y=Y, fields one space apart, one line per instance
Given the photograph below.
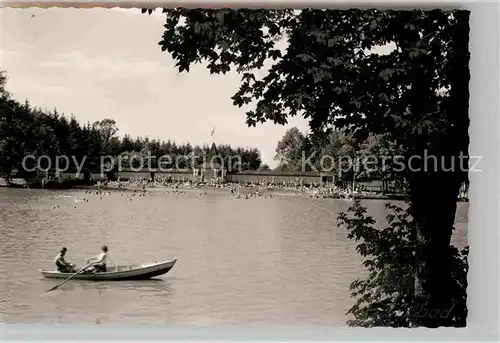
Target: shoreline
x=244 y=190
x=276 y=191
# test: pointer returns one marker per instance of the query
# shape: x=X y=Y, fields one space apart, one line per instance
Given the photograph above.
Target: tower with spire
x=210 y=168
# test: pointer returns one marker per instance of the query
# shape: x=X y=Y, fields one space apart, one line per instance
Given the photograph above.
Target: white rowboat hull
x=117 y=273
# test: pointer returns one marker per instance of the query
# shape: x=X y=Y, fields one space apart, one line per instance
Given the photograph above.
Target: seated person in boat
x=62 y=265
x=99 y=262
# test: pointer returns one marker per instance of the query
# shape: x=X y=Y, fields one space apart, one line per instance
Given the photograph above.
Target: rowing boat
x=117 y=273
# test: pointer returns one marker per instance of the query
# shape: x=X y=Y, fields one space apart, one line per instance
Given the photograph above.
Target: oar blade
x=52 y=289
x=62 y=283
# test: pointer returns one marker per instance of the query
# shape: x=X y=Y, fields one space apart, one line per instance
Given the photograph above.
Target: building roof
x=281 y=173
x=209 y=165
x=213 y=150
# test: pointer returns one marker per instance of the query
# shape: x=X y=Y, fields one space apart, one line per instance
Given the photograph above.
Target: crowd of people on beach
x=137 y=188
x=247 y=189
x=264 y=188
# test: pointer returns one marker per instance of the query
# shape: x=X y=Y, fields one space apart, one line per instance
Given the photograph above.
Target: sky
x=106 y=63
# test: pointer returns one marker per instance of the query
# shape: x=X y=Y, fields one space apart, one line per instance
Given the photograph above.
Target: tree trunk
x=434 y=198
x=434 y=193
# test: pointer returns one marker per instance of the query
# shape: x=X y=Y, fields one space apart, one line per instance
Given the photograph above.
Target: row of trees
x=338 y=145
x=372 y=158
x=26 y=130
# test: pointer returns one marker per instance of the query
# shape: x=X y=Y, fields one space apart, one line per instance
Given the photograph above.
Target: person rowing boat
x=99 y=262
x=62 y=265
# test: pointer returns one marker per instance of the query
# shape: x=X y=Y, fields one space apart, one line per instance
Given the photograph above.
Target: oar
x=72 y=276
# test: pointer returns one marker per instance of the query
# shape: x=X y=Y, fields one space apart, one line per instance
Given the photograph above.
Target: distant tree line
x=26 y=130
x=341 y=153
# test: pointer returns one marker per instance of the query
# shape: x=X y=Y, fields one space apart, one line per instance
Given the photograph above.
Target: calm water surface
x=274 y=261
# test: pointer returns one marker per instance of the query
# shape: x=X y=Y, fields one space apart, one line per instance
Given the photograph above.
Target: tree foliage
x=264 y=167
x=387 y=296
x=289 y=150
x=329 y=72
x=338 y=152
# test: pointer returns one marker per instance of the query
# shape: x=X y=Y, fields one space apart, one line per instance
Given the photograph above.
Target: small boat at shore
x=117 y=273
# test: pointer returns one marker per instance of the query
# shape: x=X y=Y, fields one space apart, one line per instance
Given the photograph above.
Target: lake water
x=279 y=261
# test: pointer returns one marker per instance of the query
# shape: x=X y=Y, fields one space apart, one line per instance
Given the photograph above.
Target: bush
x=387 y=296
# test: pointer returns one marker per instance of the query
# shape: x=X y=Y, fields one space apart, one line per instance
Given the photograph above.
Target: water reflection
x=146 y=287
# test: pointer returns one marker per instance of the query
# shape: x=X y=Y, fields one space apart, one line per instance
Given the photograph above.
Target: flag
x=213 y=132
